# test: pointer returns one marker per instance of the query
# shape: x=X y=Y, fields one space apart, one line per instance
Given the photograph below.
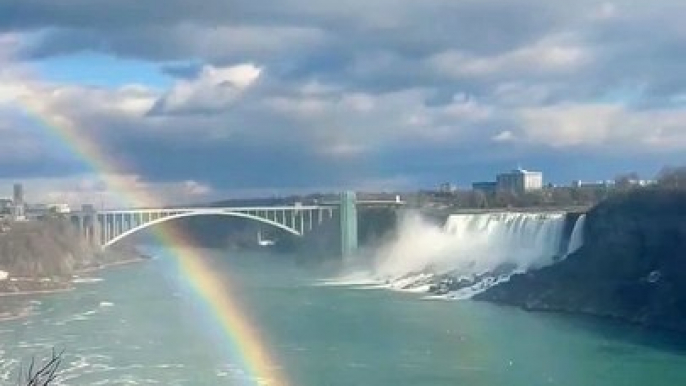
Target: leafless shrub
x=41 y=374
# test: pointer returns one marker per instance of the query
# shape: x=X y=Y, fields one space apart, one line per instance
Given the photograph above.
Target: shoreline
x=622 y=320
x=113 y=264
x=70 y=281
x=36 y=292
x=23 y=311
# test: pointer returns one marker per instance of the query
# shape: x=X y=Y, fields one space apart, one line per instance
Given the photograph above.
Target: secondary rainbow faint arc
x=215 y=293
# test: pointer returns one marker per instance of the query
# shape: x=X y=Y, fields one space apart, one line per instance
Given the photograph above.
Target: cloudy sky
x=204 y=99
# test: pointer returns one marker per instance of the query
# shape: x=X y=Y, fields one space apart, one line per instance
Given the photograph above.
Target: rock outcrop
x=47 y=248
x=43 y=256
x=632 y=265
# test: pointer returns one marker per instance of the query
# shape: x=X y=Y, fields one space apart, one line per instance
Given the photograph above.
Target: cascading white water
x=469 y=245
x=576 y=240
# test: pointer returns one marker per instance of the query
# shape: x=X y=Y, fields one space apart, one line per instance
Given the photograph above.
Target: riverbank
x=21 y=292
x=111 y=258
x=21 y=286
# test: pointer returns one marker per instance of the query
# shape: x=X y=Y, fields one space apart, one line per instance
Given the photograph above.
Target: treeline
x=547 y=197
x=668 y=178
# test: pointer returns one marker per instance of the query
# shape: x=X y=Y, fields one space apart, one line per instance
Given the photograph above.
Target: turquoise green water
x=142 y=325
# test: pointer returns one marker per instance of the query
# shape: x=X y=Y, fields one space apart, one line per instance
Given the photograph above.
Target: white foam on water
x=87 y=280
x=372 y=286
x=83 y=316
x=468 y=245
x=352 y=279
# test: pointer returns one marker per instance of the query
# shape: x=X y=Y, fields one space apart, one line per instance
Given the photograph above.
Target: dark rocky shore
x=632 y=266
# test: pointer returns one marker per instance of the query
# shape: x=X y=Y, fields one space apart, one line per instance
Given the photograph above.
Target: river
x=139 y=324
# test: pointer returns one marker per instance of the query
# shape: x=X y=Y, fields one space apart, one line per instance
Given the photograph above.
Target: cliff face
x=42 y=249
x=632 y=265
x=52 y=248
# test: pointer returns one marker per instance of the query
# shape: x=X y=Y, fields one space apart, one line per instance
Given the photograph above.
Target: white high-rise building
x=18 y=203
x=519 y=181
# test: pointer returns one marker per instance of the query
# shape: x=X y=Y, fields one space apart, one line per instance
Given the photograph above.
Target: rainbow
x=215 y=294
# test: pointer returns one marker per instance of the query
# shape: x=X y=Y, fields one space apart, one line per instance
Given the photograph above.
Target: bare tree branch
x=44 y=375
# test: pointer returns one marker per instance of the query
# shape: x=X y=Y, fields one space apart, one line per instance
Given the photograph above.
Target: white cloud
x=194 y=188
x=214 y=89
x=343 y=150
x=604 y=11
x=99 y=190
x=550 y=55
x=344 y=84
x=570 y=124
x=504 y=136
x=344 y=125
x=606 y=125
x=9 y=45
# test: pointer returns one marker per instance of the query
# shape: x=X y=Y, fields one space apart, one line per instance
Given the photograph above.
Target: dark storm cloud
x=381 y=45
x=357 y=90
x=409 y=28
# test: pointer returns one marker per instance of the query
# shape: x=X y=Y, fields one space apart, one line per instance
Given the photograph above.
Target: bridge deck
x=215 y=209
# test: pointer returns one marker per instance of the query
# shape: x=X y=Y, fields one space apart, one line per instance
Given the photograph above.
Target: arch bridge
x=106 y=227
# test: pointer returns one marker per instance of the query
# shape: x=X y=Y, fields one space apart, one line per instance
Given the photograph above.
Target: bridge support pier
x=348 y=217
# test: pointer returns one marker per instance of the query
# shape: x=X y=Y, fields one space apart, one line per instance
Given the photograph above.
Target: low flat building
x=59 y=208
x=642 y=182
x=37 y=211
x=6 y=205
x=488 y=187
x=593 y=185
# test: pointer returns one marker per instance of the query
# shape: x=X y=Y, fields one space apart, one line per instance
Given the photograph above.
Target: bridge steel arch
x=195 y=213
x=104 y=228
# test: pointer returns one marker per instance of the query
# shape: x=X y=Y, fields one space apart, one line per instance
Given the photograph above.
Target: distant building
x=18 y=203
x=642 y=182
x=488 y=187
x=59 y=208
x=6 y=205
x=607 y=184
x=37 y=211
x=18 y=194
x=446 y=187
x=519 y=181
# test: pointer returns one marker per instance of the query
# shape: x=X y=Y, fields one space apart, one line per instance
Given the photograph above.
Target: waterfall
x=577 y=238
x=472 y=249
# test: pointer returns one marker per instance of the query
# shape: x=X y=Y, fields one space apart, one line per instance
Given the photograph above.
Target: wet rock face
x=632 y=265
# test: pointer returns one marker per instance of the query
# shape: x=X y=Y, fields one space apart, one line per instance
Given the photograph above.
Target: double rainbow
x=240 y=335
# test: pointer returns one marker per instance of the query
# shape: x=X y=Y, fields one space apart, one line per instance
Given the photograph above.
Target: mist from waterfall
x=481 y=249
